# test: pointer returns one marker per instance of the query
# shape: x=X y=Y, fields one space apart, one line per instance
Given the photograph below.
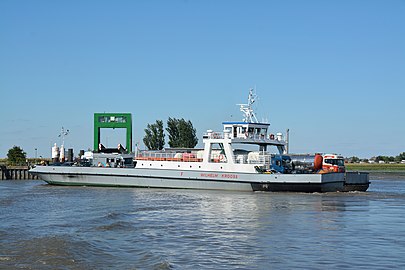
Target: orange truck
x=333 y=163
x=312 y=163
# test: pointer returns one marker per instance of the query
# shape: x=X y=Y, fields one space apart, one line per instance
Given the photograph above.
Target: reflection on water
x=50 y=227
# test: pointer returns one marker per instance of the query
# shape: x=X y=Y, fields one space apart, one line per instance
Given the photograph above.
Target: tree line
x=181 y=134
x=398 y=158
x=386 y=159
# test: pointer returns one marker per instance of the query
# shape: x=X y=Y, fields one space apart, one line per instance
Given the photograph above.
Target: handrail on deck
x=260 y=158
x=250 y=136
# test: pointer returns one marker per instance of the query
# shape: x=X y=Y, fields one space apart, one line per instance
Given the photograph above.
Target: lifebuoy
x=221 y=157
x=271 y=136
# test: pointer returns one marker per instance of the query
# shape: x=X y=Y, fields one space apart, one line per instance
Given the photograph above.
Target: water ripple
x=48 y=227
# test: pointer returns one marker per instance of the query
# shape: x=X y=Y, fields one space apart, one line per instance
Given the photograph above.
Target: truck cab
x=281 y=163
x=333 y=163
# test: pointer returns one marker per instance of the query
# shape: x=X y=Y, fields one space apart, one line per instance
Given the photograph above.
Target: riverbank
x=3 y=161
x=379 y=171
x=375 y=167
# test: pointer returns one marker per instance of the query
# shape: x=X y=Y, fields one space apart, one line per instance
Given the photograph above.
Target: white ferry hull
x=161 y=178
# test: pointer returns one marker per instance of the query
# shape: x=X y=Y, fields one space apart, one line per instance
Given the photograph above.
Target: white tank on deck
x=62 y=153
x=87 y=155
x=55 y=151
x=253 y=157
x=200 y=154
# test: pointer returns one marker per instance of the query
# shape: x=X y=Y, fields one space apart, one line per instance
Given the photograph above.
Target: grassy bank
x=375 y=167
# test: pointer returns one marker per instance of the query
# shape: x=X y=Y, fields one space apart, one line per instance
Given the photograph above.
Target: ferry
x=244 y=156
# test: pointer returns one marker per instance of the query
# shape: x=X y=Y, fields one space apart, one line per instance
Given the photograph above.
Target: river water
x=53 y=227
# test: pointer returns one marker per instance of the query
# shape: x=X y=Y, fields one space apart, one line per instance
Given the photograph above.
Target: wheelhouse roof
x=245 y=123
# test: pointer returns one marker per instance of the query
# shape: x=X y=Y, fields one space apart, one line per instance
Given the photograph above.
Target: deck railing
x=169 y=156
x=260 y=158
x=214 y=135
x=250 y=136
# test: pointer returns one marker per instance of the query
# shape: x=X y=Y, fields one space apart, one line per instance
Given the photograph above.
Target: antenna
x=247 y=109
x=62 y=134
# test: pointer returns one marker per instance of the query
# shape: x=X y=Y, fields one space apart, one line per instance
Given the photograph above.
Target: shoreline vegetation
x=375 y=167
x=29 y=161
x=379 y=171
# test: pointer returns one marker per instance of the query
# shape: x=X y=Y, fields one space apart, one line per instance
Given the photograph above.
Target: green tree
x=181 y=133
x=154 y=136
x=400 y=157
x=381 y=158
x=173 y=132
x=386 y=159
x=354 y=159
x=16 y=156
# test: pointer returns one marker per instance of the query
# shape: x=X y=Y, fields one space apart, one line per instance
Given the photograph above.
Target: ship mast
x=247 y=109
x=64 y=132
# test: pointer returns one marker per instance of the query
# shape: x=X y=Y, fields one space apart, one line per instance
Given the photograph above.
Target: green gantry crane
x=113 y=120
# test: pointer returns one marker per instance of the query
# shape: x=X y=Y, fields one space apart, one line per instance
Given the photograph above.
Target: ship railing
x=256 y=137
x=242 y=159
x=255 y=158
x=222 y=135
x=168 y=156
x=214 y=135
x=252 y=159
x=243 y=136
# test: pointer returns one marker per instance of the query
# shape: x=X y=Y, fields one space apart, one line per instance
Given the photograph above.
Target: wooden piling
x=16 y=173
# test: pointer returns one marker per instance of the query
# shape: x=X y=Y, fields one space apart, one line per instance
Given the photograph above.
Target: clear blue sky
x=331 y=71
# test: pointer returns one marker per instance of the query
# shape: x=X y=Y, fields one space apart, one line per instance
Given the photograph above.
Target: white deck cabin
x=219 y=147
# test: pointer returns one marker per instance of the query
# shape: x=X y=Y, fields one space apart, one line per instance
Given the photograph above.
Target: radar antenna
x=247 y=109
x=64 y=132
